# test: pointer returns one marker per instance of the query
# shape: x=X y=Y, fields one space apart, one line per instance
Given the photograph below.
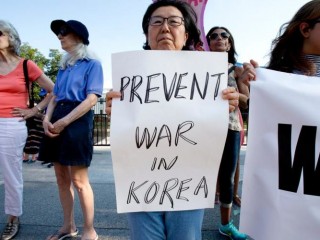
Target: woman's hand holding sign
x=109 y=96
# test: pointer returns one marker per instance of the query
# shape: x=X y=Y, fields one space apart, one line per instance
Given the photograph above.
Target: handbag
x=34 y=123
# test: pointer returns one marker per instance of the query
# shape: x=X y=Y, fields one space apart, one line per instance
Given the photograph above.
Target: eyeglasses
x=64 y=31
x=173 y=21
x=223 y=35
x=1 y=33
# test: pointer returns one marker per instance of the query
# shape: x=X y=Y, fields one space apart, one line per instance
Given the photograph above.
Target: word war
x=164 y=133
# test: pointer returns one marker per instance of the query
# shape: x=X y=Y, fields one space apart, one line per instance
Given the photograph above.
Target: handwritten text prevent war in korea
x=167 y=129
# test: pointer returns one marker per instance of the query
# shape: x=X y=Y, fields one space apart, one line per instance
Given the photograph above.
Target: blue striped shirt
x=316 y=60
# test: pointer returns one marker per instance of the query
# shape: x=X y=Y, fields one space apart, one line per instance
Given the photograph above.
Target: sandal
x=96 y=238
x=60 y=236
x=237 y=200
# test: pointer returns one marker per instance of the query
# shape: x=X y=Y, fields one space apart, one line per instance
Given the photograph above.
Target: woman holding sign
x=169 y=25
x=220 y=40
x=296 y=50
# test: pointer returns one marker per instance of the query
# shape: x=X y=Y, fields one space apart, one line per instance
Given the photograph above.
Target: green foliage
x=50 y=66
x=53 y=65
x=26 y=51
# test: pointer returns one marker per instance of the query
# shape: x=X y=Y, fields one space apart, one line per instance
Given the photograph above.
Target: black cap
x=78 y=27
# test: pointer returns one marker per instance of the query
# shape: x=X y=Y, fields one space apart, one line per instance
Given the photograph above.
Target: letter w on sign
x=304 y=159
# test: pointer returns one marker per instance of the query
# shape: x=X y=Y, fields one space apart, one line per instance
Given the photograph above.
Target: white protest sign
x=169 y=129
x=281 y=185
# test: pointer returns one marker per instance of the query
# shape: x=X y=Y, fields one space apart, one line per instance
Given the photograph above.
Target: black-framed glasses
x=173 y=21
x=223 y=35
x=1 y=33
x=64 y=31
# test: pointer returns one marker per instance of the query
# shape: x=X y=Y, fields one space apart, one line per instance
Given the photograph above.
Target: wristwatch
x=39 y=108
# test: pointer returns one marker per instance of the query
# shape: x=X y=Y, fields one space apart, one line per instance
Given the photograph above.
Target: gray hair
x=81 y=51
x=13 y=36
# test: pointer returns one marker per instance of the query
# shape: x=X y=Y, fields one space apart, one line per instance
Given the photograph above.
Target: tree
x=26 y=51
x=53 y=64
x=50 y=66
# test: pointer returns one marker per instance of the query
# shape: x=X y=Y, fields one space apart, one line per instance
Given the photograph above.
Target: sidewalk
x=42 y=212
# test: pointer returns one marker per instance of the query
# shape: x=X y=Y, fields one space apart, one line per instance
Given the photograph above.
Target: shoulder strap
x=231 y=69
x=26 y=77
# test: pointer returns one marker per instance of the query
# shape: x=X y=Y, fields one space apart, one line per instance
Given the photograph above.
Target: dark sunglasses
x=64 y=31
x=223 y=35
x=1 y=34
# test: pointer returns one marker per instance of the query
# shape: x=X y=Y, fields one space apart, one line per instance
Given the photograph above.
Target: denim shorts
x=74 y=145
x=175 y=225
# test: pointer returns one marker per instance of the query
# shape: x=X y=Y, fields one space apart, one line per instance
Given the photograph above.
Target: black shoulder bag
x=32 y=122
x=29 y=88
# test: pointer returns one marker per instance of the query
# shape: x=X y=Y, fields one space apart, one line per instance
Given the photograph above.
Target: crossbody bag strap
x=26 y=77
x=232 y=68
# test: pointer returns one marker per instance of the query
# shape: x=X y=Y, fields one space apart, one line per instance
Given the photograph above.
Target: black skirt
x=74 y=145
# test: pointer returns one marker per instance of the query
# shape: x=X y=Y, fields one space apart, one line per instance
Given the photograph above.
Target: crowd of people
x=67 y=121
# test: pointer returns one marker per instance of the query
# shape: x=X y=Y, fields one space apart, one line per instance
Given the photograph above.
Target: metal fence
x=245 y=116
x=101 y=124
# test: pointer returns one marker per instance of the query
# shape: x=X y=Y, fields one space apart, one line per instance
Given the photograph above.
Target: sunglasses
x=64 y=31
x=223 y=35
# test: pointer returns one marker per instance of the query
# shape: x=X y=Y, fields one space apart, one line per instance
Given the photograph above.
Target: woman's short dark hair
x=286 y=54
x=232 y=51
x=190 y=21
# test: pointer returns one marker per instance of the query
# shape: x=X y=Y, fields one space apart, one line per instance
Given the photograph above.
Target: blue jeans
x=178 y=225
x=228 y=167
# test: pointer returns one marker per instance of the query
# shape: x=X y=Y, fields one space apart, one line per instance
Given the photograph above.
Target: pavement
x=43 y=215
